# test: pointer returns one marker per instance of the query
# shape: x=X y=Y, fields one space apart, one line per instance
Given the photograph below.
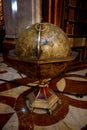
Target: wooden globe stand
x=42 y=70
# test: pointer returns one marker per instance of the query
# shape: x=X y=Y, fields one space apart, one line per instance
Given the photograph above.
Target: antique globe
x=42 y=52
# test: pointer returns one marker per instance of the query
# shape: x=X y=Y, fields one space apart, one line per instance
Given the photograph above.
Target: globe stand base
x=42 y=98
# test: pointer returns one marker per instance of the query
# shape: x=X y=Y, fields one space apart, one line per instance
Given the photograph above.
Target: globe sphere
x=43 y=41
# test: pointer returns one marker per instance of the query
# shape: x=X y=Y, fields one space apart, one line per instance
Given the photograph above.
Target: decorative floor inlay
x=14 y=92
x=12 y=123
x=70 y=115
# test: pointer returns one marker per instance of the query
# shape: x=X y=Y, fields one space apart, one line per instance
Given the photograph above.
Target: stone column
x=19 y=14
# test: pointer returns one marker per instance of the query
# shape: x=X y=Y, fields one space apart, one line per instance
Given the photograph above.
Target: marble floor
x=71 y=114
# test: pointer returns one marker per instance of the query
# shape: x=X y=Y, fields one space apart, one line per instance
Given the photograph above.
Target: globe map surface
x=53 y=42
